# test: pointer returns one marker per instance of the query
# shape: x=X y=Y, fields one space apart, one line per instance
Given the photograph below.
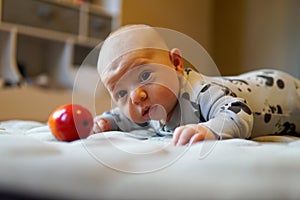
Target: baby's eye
x=145 y=76
x=122 y=93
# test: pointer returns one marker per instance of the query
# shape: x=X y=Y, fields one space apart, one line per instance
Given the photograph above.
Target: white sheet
x=115 y=166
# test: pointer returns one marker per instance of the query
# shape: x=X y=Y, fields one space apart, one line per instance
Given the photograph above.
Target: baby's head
x=131 y=59
x=126 y=40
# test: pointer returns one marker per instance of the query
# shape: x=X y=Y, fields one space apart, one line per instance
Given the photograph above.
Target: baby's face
x=144 y=85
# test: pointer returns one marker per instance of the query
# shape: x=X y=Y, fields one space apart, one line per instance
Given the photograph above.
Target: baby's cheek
x=130 y=112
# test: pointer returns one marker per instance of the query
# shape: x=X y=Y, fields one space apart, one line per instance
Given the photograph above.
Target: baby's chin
x=140 y=121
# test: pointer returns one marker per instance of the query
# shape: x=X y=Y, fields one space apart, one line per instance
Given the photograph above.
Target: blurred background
x=240 y=35
x=51 y=39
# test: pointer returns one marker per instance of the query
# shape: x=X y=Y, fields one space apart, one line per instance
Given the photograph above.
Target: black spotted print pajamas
x=263 y=102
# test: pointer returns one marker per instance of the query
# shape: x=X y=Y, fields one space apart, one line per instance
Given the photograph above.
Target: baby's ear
x=176 y=59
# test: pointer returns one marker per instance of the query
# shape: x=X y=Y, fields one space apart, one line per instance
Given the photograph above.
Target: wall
x=272 y=35
x=191 y=17
x=240 y=35
x=228 y=35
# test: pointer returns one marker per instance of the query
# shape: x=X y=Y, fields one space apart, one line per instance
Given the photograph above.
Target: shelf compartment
x=41 y=15
x=8 y=66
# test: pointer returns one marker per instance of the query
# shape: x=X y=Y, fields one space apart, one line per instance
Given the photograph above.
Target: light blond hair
x=127 y=39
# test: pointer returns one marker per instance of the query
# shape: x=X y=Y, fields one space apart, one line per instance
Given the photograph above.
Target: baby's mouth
x=145 y=111
x=154 y=112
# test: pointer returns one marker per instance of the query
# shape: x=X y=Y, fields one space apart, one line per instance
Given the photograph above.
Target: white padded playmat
x=114 y=165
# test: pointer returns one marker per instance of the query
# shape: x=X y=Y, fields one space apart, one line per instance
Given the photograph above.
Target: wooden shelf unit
x=48 y=37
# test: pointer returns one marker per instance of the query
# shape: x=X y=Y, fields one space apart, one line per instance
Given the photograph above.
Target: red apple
x=70 y=122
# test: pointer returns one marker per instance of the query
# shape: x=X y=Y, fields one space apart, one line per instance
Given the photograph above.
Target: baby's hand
x=101 y=125
x=191 y=133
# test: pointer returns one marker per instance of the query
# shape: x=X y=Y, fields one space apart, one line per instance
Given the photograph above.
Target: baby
x=153 y=91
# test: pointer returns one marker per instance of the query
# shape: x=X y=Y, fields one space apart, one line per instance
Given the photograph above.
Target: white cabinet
x=48 y=37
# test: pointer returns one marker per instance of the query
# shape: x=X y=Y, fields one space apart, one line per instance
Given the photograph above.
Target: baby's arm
x=107 y=121
x=222 y=116
x=113 y=120
x=101 y=125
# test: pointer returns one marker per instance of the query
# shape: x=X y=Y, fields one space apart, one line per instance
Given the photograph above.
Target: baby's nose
x=138 y=95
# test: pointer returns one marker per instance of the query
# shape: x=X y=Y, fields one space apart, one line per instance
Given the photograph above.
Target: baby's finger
x=197 y=138
x=96 y=128
x=186 y=135
x=176 y=135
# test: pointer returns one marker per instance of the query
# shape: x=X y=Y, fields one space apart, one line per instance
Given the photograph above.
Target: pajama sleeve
x=119 y=121
x=227 y=116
